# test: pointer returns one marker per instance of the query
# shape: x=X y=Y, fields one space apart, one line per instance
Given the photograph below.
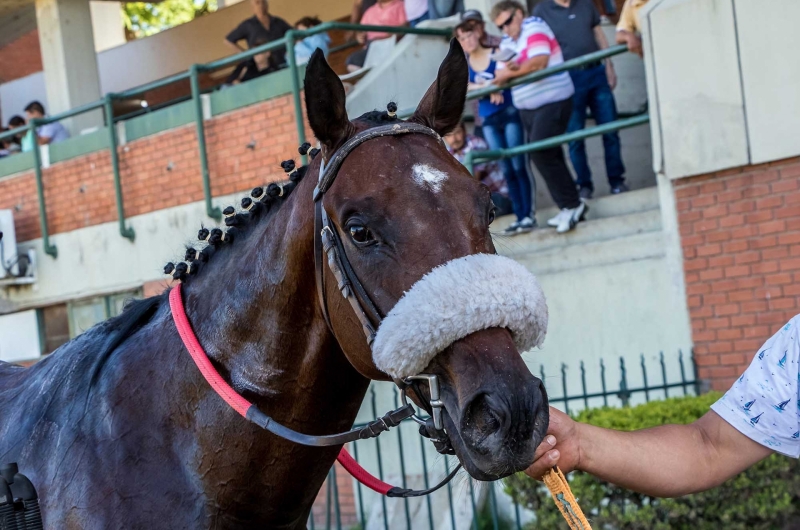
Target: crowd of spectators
x=558 y=31
x=48 y=133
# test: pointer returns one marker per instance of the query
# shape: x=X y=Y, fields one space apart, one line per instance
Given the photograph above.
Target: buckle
x=435 y=400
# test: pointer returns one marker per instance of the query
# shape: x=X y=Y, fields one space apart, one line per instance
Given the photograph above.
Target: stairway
x=618 y=228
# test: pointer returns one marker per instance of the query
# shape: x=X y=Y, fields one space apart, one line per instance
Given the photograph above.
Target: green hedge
x=767 y=496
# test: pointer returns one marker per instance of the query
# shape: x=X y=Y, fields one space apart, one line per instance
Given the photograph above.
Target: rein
x=250 y=412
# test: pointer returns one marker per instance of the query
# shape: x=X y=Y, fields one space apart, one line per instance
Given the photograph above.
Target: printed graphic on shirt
x=763 y=404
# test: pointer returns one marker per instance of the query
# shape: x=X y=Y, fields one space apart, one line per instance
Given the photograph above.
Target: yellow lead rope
x=557 y=483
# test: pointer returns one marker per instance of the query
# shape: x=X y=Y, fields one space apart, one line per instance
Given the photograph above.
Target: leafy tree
x=144 y=18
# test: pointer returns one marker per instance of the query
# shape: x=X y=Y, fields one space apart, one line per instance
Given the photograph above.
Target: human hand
x=496 y=98
x=611 y=75
x=560 y=447
x=501 y=77
x=635 y=44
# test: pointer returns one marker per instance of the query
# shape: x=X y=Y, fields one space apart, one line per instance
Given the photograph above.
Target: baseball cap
x=471 y=14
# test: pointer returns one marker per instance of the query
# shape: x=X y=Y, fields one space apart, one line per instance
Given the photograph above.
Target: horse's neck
x=257 y=315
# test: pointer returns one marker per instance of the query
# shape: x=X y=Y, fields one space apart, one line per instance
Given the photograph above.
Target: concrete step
x=611 y=205
x=592 y=231
x=646 y=245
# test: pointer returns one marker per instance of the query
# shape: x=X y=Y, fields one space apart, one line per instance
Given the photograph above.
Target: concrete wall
x=724 y=95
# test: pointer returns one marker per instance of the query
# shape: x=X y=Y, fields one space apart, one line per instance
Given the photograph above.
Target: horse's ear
x=325 y=103
x=443 y=104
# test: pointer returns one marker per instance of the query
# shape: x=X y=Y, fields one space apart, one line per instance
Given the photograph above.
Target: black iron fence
x=406 y=459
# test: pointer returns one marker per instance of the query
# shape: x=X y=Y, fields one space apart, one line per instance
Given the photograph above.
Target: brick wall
x=322 y=509
x=158 y=171
x=740 y=232
x=20 y=57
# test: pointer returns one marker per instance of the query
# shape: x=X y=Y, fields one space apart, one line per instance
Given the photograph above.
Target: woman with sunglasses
x=545 y=106
x=502 y=127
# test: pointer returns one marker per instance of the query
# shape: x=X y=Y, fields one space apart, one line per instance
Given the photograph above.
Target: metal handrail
x=286 y=42
x=547 y=72
x=474 y=156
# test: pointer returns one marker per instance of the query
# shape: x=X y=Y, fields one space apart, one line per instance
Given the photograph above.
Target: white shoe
x=571 y=217
x=555 y=221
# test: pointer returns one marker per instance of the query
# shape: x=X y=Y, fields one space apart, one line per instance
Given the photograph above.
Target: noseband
x=327 y=240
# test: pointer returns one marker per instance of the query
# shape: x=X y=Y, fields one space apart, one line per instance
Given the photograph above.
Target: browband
x=329 y=170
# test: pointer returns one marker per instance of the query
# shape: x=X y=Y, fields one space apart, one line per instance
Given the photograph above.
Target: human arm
x=355 y=18
x=602 y=43
x=628 y=29
x=665 y=461
x=238 y=34
x=755 y=417
x=533 y=64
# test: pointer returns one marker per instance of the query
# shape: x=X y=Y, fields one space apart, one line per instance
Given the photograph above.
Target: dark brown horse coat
x=118 y=429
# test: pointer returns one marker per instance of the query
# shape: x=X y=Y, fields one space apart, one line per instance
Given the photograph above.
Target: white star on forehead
x=428 y=177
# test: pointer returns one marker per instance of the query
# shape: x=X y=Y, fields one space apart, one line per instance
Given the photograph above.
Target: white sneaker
x=555 y=221
x=571 y=217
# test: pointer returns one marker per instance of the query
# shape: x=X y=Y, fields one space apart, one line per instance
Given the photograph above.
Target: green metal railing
x=287 y=43
x=625 y=390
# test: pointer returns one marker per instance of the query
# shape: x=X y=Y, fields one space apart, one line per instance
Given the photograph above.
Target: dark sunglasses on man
x=508 y=21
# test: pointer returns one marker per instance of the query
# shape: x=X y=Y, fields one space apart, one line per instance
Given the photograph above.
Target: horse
x=118 y=429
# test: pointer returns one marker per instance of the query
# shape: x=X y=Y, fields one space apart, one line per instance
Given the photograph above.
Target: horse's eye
x=492 y=214
x=360 y=234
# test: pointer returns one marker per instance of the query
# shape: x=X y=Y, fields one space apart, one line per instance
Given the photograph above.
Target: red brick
x=731 y=358
x=778 y=279
x=705 y=225
x=726 y=309
x=709 y=250
x=706 y=359
x=771 y=227
x=741 y=296
x=723 y=371
x=736 y=271
x=743 y=320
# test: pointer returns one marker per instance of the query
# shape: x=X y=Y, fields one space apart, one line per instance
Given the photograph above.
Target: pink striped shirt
x=536 y=38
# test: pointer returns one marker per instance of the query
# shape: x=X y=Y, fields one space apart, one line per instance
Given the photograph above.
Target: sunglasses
x=508 y=21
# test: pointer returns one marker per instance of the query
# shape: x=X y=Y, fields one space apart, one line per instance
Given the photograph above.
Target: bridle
x=327 y=241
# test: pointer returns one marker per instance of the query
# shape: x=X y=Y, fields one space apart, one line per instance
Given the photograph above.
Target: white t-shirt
x=763 y=404
x=415 y=8
x=536 y=38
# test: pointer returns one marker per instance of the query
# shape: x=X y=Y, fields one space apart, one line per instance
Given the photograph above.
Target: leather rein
x=328 y=242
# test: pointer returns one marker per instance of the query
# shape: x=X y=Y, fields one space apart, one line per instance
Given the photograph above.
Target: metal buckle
x=435 y=400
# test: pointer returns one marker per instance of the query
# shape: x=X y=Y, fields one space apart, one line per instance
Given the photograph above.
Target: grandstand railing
x=287 y=42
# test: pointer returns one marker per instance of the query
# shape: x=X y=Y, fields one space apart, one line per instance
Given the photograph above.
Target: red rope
x=361 y=474
x=237 y=402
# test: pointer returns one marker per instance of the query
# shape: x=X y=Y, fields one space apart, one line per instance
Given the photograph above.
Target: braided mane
x=257 y=206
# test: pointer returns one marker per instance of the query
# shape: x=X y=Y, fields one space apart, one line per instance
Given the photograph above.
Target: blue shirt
x=485 y=107
x=304 y=48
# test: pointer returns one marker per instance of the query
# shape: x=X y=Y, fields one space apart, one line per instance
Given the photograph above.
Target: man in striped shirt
x=545 y=106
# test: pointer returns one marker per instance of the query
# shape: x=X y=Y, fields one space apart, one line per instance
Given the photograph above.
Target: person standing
x=261 y=27
x=545 y=106
x=500 y=120
x=576 y=25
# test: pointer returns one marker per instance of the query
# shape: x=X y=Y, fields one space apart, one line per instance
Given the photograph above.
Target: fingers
x=545 y=458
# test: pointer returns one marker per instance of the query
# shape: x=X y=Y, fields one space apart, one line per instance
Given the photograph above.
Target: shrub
x=767 y=496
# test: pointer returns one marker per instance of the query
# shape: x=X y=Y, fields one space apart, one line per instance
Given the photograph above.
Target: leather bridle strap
x=326 y=236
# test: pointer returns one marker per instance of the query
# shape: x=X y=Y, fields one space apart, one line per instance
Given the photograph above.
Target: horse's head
x=403 y=206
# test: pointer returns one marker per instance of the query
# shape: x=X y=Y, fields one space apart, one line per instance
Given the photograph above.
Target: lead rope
x=559 y=488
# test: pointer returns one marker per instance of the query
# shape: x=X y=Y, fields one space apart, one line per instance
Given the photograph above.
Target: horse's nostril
x=482 y=418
